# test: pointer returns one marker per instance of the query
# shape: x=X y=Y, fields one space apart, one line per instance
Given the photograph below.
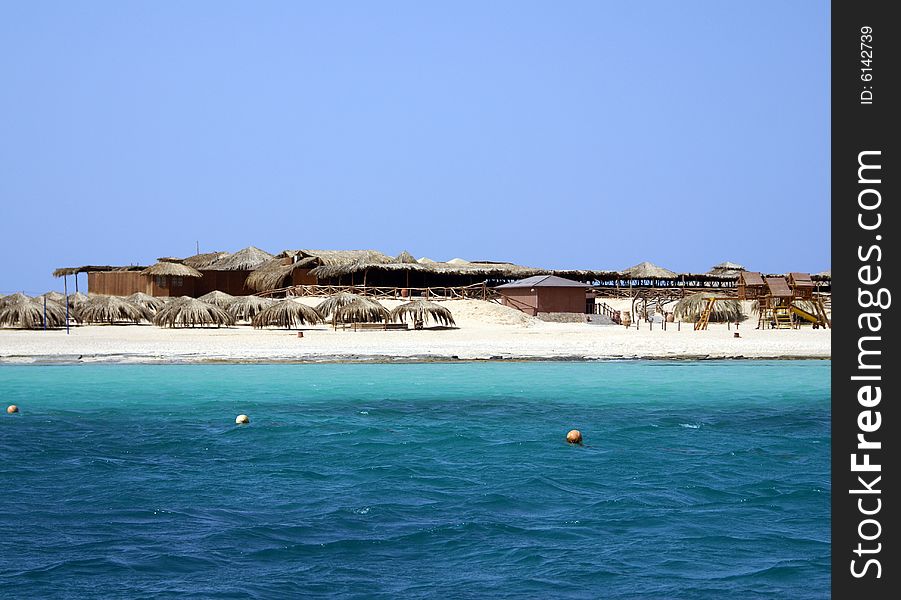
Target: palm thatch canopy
x=217 y=298
x=329 y=307
x=690 y=308
x=361 y=310
x=271 y=275
x=186 y=311
x=245 y=308
x=76 y=299
x=247 y=259
x=151 y=303
x=286 y=313
x=172 y=269
x=55 y=296
x=110 y=309
x=205 y=259
x=63 y=271
x=726 y=269
x=420 y=311
x=18 y=310
x=646 y=270
x=405 y=258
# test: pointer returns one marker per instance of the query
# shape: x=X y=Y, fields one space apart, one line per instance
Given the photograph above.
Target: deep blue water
x=696 y=480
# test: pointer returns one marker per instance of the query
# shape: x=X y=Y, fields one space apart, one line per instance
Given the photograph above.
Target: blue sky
x=554 y=134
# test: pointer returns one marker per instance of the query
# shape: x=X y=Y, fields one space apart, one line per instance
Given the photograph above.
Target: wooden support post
x=66 y=295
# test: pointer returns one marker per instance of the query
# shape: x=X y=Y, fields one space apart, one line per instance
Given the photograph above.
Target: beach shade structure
x=286 y=313
x=217 y=298
x=55 y=296
x=329 y=307
x=361 y=310
x=189 y=312
x=76 y=299
x=18 y=310
x=647 y=270
x=690 y=308
x=726 y=269
x=151 y=303
x=247 y=259
x=245 y=308
x=111 y=309
x=170 y=268
x=420 y=312
x=405 y=258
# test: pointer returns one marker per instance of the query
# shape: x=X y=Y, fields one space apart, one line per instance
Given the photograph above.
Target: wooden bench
x=377 y=326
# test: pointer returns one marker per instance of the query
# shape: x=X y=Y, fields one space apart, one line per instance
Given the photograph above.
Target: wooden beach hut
x=802 y=285
x=751 y=285
x=544 y=295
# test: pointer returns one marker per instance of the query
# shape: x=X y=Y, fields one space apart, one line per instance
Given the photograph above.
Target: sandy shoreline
x=485 y=332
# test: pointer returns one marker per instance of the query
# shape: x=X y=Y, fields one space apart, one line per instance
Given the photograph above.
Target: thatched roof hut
x=112 y=309
x=205 y=259
x=18 y=310
x=361 y=310
x=151 y=303
x=247 y=259
x=186 y=311
x=217 y=298
x=286 y=313
x=329 y=307
x=647 y=270
x=405 y=258
x=690 y=308
x=245 y=308
x=171 y=269
x=420 y=311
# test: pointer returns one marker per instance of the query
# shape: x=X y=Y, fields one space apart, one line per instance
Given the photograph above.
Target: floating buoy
x=12 y=408
x=574 y=437
x=242 y=420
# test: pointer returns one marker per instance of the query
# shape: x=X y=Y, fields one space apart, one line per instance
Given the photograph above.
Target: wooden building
x=545 y=294
x=751 y=285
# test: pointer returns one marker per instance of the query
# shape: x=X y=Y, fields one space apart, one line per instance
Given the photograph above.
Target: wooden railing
x=608 y=311
x=479 y=291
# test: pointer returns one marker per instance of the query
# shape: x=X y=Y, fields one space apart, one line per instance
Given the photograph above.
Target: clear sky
x=573 y=134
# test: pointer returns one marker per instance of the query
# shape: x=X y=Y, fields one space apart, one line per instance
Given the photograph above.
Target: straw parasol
x=247 y=259
x=55 y=296
x=690 y=308
x=18 y=310
x=245 y=308
x=217 y=298
x=152 y=303
x=405 y=258
x=168 y=267
x=109 y=309
x=205 y=259
x=647 y=270
x=726 y=269
x=328 y=307
x=420 y=311
x=361 y=310
x=76 y=299
x=286 y=313
x=186 y=311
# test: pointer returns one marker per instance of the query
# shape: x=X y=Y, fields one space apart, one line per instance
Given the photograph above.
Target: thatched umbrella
x=109 y=309
x=76 y=299
x=204 y=260
x=186 y=311
x=690 y=308
x=151 y=303
x=646 y=270
x=286 y=313
x=55 y=296
x=726 y=269
x=245 y=308
x=217 y=298
x=328 y=307
x=247 y=259
x=18 y=310
x=405 y=258
x=170 y=268
x=420 y=311
x=361 y=310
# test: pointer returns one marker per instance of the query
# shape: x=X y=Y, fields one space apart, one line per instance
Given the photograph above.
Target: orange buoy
x=242 y=420
x=12 y=408
x=574 y=437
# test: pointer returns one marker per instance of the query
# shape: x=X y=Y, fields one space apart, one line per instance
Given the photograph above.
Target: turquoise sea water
x=696 y=480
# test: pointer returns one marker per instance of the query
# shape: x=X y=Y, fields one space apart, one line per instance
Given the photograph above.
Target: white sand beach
x=484 y=331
